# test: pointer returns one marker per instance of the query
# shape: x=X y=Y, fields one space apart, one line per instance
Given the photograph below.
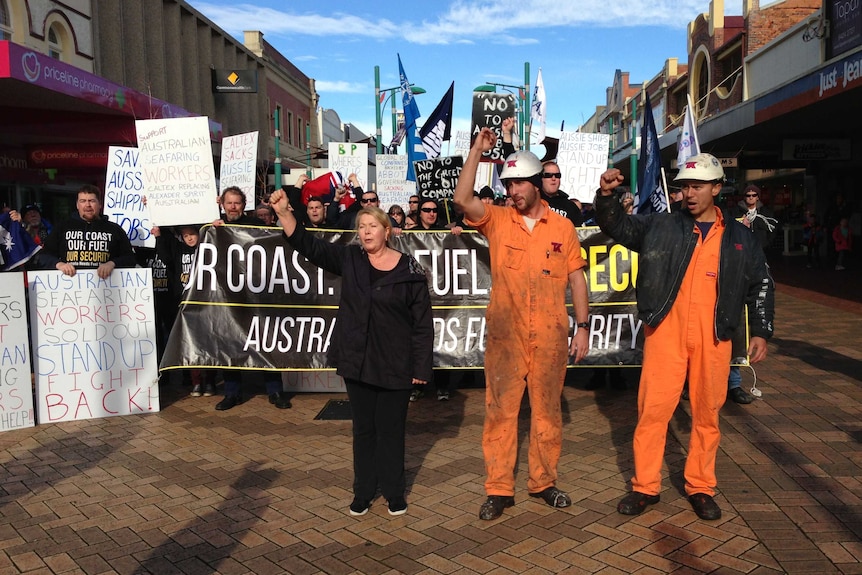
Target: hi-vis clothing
x=527 y=341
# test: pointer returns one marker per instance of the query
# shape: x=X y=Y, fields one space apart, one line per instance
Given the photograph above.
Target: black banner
x=254 y=302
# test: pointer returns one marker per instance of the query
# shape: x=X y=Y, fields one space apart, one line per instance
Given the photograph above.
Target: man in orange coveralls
x=535 y=253
x=697 y=269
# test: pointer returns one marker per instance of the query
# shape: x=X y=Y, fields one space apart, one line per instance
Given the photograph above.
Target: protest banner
x=176 y=162
x=436 y=179
x=16 y=392
x=94 y=344
x=124 y=191
x=489 y=111
x=350 y=158
x=393 y=187
x=582 y=159
x=239 y=163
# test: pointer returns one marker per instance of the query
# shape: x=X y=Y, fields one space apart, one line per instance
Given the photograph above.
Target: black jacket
x=665 y=244
x=384 y=331
x=764 y=225
x=561 y=204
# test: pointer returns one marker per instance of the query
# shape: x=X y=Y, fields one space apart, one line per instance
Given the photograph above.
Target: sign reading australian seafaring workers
x=94 y=344
x=239 y=162
x=489 y=111
x=436 y=178
x=177 y=166
x=393 y=187
x=582 y=158
x=16 y=395
x=350 y=158
x=124 y=191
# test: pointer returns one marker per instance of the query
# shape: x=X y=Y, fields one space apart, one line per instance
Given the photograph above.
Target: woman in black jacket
x=381 y=346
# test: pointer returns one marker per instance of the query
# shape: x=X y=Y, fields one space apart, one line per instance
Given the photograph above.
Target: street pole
x=277 y=160
x=379 y=133
x=526 y=122
x=633 y=163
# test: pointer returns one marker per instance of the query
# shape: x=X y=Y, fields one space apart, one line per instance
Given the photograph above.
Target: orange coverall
x=527 y=341
x=684 y=343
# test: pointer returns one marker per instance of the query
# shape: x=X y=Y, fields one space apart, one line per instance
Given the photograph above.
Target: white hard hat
x=521 y=165
x=702 y=167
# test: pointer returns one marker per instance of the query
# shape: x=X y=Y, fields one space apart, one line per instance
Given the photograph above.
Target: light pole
x=523 y=102
x=380 y=102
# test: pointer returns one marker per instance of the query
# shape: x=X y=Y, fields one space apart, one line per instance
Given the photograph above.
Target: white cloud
x=342 y=87
x=306 y=58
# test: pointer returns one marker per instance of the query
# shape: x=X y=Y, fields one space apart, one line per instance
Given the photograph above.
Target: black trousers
x=379 y=422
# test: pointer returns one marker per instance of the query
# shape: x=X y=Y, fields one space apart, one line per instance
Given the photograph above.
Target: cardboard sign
x=16 y=394
x=124 y=191
x=239 y=162
x=392 y=184
x=350 y=158
x=94 y=344
x=436 y=179
x=582 y=158
x=176 y=161
x=489 y=111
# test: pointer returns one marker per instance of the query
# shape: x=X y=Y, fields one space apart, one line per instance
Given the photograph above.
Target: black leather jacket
x=665 y=244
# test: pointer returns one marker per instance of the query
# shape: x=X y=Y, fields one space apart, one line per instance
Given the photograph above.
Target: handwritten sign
x=582 y=158
x=16 y=395
x=124 y=191
x=239 y=162
x=177 y=165
x=436 y=179
x=489 y=111
x=350 y=158
x=393 y=187
x=94 y=344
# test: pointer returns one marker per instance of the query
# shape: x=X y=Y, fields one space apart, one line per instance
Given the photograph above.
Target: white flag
x=538 y=114
x=688 y=145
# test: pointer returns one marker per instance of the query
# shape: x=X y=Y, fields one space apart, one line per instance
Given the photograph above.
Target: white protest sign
x=16 y=394
x=483 y=172
x=350 y=158
x=177 y=165
x=124 y=188
x=582 y=159
x=392 y=185
x=94 y=344
x=239 y=162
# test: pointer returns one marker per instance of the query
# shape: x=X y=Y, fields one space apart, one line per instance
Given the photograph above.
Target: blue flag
x=438 y=127
x=415 y=150
x=651 y=196
x=16 y=245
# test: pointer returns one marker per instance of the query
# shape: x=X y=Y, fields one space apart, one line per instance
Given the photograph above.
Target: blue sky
x=577 y=44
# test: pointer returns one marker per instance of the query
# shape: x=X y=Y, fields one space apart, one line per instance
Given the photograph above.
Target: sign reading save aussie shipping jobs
x=177 y=166
x=124 y=191
x=94 y=344
x=16 y=394
x=489 y=111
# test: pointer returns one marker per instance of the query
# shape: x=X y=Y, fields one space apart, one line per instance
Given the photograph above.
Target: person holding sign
x=535 y=254
x=382 y=344
x=87 y=240
x=698 y=268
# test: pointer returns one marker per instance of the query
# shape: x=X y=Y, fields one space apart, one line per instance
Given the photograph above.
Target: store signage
x=68 y=156
x=231 y=80
x=822 y=149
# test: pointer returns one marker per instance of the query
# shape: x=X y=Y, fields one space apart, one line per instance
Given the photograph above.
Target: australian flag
x=651 y=196
x=16 y=245
x=438 y=127
x=415 y=150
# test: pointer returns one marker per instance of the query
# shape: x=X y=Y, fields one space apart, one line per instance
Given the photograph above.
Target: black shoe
x=554 y=497
x=704 y=506
x=229 y=402
x=739 y=395
x=635 y=502
x=196 y=390
x=359 y=507
x=280 y=400
x=209 y=390
x=398 y=506
x=494 y=505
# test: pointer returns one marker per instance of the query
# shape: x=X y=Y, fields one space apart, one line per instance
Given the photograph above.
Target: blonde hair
x=379 y=215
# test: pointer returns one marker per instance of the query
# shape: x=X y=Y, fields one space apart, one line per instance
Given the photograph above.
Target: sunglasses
x=548 y=175
x=368 y=200
x=413 y=202
x=396 y=213
x=750 y=195
x=429 y=210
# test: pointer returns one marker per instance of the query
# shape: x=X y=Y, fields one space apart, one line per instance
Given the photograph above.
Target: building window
x=55 y=43
x=300 y=132
x=731 y=67
x=290 y=128
x=5 y=21
x=701 y=95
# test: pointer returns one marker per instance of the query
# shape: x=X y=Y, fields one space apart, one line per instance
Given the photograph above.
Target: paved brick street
x=258 y=490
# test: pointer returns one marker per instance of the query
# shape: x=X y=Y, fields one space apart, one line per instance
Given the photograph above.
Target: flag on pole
x=415 y=150
x=687 y=145
x=538 y=113
x=438 y=127
x=651 y=197
x=16 y=245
